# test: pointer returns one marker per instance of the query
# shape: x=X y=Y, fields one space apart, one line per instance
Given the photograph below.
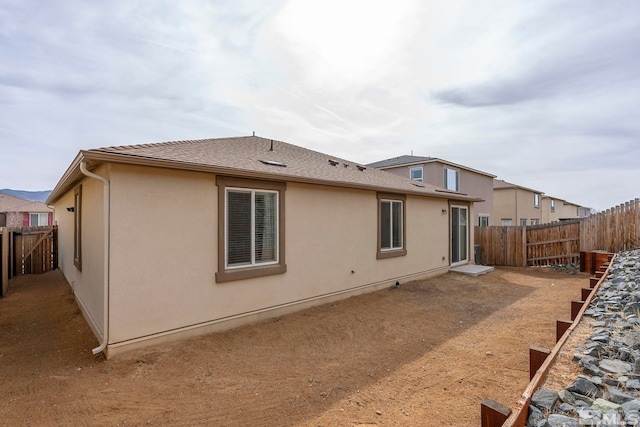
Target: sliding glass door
x=459 y=234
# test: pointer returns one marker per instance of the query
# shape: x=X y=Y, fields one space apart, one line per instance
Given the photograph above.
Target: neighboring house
x=17 y=212
x=515 y=205
x=168 y=240
x=451 y=176
x=554 y=209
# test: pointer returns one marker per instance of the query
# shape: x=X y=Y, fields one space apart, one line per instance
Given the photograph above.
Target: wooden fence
x=502 y=245
x=614 y=230
x=26 y=250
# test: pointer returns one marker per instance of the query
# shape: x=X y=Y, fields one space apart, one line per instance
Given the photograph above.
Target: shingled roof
x=9 y=203
x=500 y=184
x=254 y=157
x=401 y=160
x=417 y=160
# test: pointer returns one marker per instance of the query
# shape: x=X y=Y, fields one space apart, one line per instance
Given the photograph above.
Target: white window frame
x=536 y=200
x=506 y=222
x=480 y=218
x=253 y=262
x=456 y=185
x=40 y=216
x=392 y=251
x=523 y=222
x=416 y=169
x=552 y=205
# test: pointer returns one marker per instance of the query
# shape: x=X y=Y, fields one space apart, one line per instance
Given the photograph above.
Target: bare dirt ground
x=425 y=354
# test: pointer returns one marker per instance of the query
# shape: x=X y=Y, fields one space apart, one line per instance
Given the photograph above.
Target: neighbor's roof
x=10 y=203
x=500 y=184
x=252 y=157
x=418 y=160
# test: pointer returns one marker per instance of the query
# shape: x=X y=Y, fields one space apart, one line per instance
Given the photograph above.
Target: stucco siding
x=87 y=283
x=164 y=250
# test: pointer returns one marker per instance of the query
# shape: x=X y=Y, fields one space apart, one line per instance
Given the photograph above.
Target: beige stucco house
x=17 y=212
x=555 y=209
x=169 y=240
x=451 y=176
x=515 y=205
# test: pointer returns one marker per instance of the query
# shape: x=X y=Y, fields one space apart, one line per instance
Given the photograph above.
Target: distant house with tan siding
x=170 y=240
x=451 y=176
x=17 y=212
x=515 y=205
x=555 y=209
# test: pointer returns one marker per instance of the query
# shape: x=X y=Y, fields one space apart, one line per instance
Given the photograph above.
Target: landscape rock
x=608 y=390
x=618 y=396
x=584 y=387
x=615 y=366
x=535 y=417
x=605 y=406
x=544 y=399
x=559 y=420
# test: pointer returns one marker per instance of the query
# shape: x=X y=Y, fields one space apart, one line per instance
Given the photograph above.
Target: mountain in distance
x=34 y=196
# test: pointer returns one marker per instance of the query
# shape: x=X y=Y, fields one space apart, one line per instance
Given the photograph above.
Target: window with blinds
x=252 y=227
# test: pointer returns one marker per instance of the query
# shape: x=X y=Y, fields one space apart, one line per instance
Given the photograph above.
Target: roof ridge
x=162 y=144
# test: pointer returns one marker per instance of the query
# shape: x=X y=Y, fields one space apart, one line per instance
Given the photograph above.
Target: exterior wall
x=471 y=183
x=562 y=210
x=15 y=219
x=164 y=254
x=87 y=284
x=516 y=204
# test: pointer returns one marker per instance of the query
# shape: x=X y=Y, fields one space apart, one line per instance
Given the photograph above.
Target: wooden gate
x=26 y=250
x=553 y=244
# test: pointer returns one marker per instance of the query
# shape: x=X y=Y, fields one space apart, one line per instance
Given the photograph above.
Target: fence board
x=4 y=261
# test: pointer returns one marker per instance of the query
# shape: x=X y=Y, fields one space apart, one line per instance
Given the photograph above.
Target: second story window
x=536 y=200
x=416 y=174
x=552 y=205
x=451 y=179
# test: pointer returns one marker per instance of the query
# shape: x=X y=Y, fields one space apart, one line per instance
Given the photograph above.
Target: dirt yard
x=425 y=354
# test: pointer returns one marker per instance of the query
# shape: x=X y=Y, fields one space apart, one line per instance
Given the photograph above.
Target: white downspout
x=105 y=285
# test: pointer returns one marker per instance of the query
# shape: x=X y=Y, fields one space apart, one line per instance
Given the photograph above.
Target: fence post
x=524 y=245
x=493 y=414
x=4 y=268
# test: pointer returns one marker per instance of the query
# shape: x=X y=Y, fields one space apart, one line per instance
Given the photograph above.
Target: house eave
x=94 y=157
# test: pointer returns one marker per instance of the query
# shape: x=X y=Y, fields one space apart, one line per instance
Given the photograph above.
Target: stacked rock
x=607 y=393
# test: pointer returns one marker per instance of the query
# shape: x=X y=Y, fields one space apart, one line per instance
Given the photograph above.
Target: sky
x=544 y=94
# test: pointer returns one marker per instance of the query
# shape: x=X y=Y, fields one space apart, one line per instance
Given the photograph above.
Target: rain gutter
x=105 y=285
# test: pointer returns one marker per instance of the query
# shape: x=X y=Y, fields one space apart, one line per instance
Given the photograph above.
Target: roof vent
x=272 y=163
x=333 y=162
x=361 y=168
